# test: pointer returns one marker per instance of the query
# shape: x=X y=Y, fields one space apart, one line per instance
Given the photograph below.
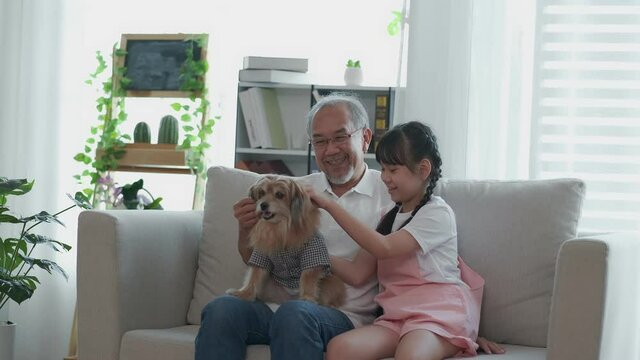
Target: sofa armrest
x=595 y=311
x=135 y=270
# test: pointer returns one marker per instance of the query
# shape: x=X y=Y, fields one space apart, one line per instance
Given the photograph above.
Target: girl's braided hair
x=407 y=144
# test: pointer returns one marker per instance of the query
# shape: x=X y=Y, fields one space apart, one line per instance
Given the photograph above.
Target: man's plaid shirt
x=286 y=266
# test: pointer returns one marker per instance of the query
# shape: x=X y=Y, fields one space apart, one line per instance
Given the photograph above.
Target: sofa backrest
x=508 y=231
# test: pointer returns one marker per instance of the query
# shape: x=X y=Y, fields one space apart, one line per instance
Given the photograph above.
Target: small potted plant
x=16 y=248
x=353 y=73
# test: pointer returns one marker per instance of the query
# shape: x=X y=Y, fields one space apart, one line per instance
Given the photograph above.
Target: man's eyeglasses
x=322 y=143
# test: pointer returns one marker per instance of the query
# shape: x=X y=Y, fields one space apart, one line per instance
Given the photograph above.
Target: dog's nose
x=264 y=206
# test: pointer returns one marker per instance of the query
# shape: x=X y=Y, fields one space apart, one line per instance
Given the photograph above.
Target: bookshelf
x=294 y=101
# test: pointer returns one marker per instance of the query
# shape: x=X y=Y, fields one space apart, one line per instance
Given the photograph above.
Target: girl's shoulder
x=436 y=206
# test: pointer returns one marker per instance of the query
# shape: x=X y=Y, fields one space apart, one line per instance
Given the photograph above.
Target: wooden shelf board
x=155 y=169
x=283 y=152
x=162 y=158
x=248 y=84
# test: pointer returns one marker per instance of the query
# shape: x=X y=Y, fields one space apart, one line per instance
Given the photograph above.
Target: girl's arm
x=378 y=245
x=354 y=272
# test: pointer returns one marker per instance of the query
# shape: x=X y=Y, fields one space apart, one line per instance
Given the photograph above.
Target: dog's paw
x=242 y=294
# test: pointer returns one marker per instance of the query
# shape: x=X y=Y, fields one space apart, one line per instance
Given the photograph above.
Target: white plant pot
x=7 y=340
x=353 y=76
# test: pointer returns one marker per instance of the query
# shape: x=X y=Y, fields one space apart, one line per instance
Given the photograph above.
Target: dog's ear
x=299 y=201
x=254 y=189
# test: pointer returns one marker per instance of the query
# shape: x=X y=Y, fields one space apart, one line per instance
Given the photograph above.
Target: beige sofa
x=144 y=276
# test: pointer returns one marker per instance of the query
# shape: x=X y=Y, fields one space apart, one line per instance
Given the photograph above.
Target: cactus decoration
x=141 y=133
x=168 y=133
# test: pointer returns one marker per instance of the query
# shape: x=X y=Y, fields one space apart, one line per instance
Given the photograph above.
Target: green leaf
x=41 y=239
x=87 y=192
x=87 y=149
x=79 y=157
x=12 y=243
x=191 y=138
x=155 y=205
x=185 y=117
x=187 y=128
x=176 y=106
x=120 y=52
x=44 y=264
x=4 y=218
x=125 y=82
x=42 y=216
x=15 y=186
x=81 y=200
x=17 y=290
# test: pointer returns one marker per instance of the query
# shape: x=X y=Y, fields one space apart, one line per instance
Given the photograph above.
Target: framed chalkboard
x=153 y=63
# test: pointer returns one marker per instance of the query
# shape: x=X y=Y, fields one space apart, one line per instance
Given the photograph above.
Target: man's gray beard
x=343 y=179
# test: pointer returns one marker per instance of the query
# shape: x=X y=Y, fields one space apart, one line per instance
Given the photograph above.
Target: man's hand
x=245 y=212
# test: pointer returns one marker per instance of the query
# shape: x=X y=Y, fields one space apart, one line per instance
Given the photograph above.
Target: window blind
x=586 y=105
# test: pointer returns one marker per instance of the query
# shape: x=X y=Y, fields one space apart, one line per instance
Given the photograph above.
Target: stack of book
x=274 y=70
x=262 y=118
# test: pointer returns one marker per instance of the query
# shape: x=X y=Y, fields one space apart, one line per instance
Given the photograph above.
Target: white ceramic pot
x=353 y=76
x=7 y=340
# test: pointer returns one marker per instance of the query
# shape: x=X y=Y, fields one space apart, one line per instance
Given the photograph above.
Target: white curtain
x=533 y=89
x=30 y=93
x=469 y=77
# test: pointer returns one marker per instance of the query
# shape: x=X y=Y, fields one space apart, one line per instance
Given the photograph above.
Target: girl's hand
x=320 y=200
x=489 y=347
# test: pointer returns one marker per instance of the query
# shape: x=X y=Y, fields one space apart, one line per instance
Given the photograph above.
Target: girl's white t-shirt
x=434 y=229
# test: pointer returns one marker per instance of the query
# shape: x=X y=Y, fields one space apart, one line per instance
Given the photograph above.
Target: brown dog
x=289 y=258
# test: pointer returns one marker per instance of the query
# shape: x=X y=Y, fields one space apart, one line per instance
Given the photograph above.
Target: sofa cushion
x=171 y=344
x=510 y=232
x=178 y=344
x=220 y=266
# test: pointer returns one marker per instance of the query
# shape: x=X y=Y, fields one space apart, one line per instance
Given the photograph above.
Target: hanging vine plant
x=192 y=79
x=105 y=136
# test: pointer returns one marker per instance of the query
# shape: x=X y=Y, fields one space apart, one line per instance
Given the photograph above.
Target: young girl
x=429 y=297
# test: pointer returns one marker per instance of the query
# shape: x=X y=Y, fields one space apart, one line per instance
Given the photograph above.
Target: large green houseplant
x=17 y=282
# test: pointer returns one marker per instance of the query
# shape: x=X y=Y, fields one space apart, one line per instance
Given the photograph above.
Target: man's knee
x=222 y=309
x=295 y=312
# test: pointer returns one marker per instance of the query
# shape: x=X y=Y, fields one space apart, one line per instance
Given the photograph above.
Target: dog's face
x=279 y=199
